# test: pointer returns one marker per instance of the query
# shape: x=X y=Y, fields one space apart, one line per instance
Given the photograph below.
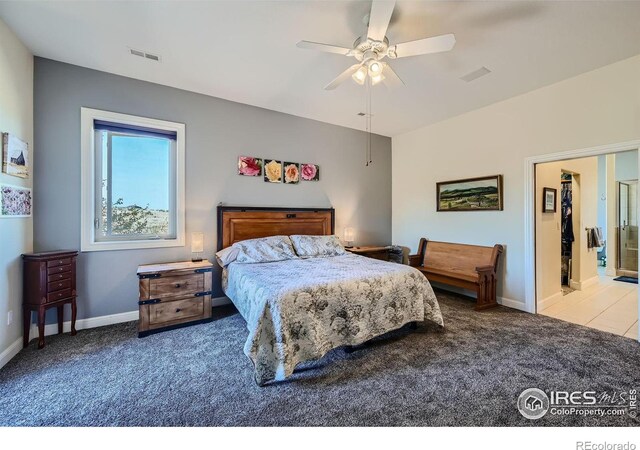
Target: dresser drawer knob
x=178 y=310
x=177 y=285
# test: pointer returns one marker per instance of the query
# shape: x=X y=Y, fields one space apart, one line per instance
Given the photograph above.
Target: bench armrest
x=415 y=260
x=485 y=269
x=418 y=259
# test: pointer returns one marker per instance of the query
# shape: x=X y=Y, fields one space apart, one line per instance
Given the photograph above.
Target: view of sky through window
x=140 y=171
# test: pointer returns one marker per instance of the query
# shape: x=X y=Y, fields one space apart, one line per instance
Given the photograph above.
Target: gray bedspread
x=298 y=310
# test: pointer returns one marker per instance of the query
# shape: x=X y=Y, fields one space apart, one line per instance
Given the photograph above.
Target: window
x=132 y=183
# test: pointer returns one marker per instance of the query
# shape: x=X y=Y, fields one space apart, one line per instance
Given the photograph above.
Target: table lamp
x=197 y=246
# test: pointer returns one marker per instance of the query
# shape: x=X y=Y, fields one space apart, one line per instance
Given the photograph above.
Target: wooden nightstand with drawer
x=371 y=252
x=49 y=280
x=174 y=295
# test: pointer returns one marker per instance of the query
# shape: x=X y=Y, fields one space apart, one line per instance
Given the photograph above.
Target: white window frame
x=89 y=243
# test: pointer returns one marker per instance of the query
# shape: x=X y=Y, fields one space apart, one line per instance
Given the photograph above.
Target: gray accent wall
x=217 y=132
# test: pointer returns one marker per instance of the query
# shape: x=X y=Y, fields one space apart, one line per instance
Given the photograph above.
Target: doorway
x=586 y=272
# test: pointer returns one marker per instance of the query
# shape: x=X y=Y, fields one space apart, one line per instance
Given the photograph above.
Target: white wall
x=627 y=166
x=595 y=108
x=602 y=193
x=16 y=235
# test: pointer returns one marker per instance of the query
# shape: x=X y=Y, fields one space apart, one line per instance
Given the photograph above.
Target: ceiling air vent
x=482 y=71
x=146 y=55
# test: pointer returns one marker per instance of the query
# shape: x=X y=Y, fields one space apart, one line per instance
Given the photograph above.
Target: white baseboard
x=101 y=321
x=10 y=352
x=510 y=303
x=551 y=300
x=581 y=285
x=83 y=324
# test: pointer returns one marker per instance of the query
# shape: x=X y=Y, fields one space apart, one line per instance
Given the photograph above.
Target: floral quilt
x=298 y=310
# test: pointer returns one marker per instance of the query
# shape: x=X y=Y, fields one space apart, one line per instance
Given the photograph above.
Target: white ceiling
x=245 y=51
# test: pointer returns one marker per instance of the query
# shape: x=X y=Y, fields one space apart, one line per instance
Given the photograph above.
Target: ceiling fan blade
x=435 y=44
x=391 y=78
x=379 y=18
x=323 y=47
x=342 y=77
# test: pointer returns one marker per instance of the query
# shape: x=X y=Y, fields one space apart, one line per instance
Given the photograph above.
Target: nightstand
x=371 y=252
x=174 y=295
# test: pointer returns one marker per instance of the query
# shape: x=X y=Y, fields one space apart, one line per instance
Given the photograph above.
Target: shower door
x=627 y=229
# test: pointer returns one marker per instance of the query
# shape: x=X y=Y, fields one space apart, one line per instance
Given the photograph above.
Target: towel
x=598 y=240
x=594 y=237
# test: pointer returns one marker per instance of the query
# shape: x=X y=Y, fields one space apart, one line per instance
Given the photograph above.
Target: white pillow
x=227 y=256
x=268 y=249
x=308 y=246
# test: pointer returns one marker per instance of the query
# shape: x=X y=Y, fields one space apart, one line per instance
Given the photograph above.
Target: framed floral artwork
x=15 y=201
x=272 y=171
x=291 y=173
x=249 y=166
x=310 y=172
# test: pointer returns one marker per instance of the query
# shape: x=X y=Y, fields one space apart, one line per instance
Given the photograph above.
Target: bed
x=297 y=310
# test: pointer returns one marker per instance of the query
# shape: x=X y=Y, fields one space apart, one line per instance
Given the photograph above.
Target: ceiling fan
x=372 y=49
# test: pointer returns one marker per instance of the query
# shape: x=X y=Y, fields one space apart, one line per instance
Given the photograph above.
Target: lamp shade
x=349 y=234
x=197 y=242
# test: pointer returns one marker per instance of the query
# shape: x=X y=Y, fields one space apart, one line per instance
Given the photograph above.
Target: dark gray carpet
x=470 y=374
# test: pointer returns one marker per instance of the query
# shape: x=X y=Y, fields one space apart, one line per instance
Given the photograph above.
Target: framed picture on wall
x=249 y=166
x=549 y=199
x=15 y=201
x=470 y=194
x=272 y=171
x=15 y=156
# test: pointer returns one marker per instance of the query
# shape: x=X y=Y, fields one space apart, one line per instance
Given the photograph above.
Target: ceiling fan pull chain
x=367 y=119
x=370 y=119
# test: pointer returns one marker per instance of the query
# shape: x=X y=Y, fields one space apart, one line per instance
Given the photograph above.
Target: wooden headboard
x=237 y=223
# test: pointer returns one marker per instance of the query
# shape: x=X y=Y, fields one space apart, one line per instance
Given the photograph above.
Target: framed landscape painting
x=471 y=194
x=15 y=201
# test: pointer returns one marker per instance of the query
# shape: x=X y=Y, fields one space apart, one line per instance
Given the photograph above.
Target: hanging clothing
x=567 y=216
x=567 y=229
x=567 y=236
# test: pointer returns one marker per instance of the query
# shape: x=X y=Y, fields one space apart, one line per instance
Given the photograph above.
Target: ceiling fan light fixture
x=375 y=68
x=376 y=79
x=360 y=75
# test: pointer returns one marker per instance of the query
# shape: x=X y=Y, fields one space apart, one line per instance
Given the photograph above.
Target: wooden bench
x=466 y=266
